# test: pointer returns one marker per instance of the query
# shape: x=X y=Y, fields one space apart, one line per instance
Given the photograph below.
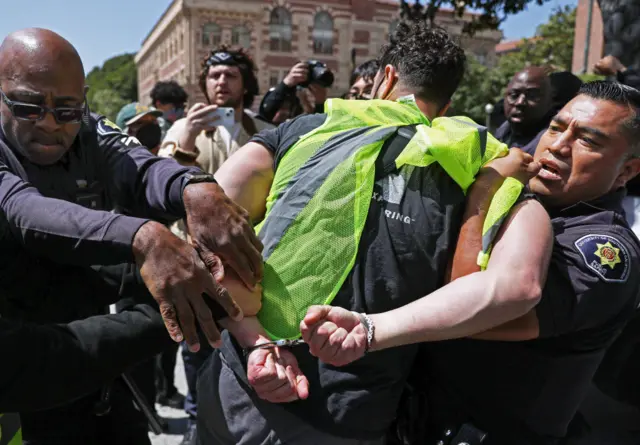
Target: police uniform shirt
x=412 y=227
x=526 y=142
x=527 y=392
x=43 y=239
x=55 y=223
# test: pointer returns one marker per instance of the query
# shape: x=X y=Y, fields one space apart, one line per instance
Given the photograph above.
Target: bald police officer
x=61 y=169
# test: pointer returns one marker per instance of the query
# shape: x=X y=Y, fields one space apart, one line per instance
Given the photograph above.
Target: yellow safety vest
x=320 y=196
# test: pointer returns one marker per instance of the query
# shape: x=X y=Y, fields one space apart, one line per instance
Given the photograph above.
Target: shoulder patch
x=105 y=127
x=606 y=256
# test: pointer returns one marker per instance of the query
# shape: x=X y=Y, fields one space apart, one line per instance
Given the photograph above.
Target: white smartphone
x=222 y=117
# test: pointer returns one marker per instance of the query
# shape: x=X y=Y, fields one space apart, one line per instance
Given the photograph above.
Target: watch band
x=196 y=178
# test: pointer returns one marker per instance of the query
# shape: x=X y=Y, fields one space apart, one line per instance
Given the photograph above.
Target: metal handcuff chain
x=365 y=320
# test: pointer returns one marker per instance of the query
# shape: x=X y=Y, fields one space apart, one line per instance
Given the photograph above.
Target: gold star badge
x=609 y=255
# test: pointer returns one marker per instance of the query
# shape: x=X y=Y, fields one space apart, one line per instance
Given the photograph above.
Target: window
x=241 y=36
x=280 y=30
x=181 y=42
x=323 y=33
x=481 y=57
x=274 y=78
x=211 y=34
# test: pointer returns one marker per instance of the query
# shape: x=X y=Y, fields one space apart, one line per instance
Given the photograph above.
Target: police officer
x=527 y=392
x=61 y=169
x=527 y=107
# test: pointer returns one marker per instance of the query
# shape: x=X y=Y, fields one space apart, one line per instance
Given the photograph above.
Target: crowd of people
x=348 y=271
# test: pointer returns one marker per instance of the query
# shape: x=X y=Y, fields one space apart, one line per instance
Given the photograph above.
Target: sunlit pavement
x=177 y=419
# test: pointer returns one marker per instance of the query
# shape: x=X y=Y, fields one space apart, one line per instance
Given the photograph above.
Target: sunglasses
x=31 y=112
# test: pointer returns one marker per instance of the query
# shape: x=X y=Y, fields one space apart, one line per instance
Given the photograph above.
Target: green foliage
x=108 y=103
x=492 y=12
x=552 y=44
x=113 y=86
x=480 y=86
x=553 y=48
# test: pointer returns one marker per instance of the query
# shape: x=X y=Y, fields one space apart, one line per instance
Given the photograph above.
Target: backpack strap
x=392 y=148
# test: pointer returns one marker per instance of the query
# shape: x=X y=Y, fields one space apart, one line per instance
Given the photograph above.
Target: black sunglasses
x=31 y=112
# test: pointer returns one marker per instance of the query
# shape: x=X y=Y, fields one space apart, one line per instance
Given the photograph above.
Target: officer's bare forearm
x=470 y=237
x=509 y=288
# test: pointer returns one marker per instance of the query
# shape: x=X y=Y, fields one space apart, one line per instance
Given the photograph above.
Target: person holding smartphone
x=213 y=130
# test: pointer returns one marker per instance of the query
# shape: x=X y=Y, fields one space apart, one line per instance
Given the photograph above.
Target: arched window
x=241 y=36
x=323 y=33
x=392 y=26
x=280 y=30
x=211 y=34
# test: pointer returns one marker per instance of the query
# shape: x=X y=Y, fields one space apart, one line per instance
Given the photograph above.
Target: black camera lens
x=320 y=74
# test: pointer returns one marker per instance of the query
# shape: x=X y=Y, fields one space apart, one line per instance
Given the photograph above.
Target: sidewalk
x=177 y=419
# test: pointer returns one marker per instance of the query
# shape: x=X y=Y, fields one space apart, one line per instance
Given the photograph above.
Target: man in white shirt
x=227 y=80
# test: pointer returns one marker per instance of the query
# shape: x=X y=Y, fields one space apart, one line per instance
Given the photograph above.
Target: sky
x=103 y=29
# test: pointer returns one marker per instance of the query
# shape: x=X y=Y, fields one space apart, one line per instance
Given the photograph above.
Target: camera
x=319 y=74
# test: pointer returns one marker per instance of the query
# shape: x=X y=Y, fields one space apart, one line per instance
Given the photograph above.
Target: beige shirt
x=212 y=149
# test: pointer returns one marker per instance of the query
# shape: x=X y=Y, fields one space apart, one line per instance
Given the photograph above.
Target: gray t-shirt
x=404 y=252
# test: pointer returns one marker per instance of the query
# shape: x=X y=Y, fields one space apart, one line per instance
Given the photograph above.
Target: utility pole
x=587 y=42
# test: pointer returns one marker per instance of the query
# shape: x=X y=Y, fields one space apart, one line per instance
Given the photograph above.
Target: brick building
x=279 y=33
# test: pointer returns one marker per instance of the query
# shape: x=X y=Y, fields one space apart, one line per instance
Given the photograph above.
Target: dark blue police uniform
x=527 y=142
x=55 y=223
x=528 y=392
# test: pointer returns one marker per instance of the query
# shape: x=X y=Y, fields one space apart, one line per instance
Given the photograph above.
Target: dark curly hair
x=429 y=62
x=239 y=58
x=168 y=92
x=366 y=70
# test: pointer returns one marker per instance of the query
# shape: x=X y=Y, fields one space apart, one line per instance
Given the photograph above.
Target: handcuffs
x=365 y=320
x=273 y=344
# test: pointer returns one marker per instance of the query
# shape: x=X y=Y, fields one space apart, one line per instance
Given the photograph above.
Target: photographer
x=312 y=75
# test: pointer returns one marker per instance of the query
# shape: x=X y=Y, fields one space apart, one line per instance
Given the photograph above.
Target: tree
x=108 y=102
x=552 y=44
x=113 y=86
x=552 y=47
x=480 y=86
x=492 y=12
